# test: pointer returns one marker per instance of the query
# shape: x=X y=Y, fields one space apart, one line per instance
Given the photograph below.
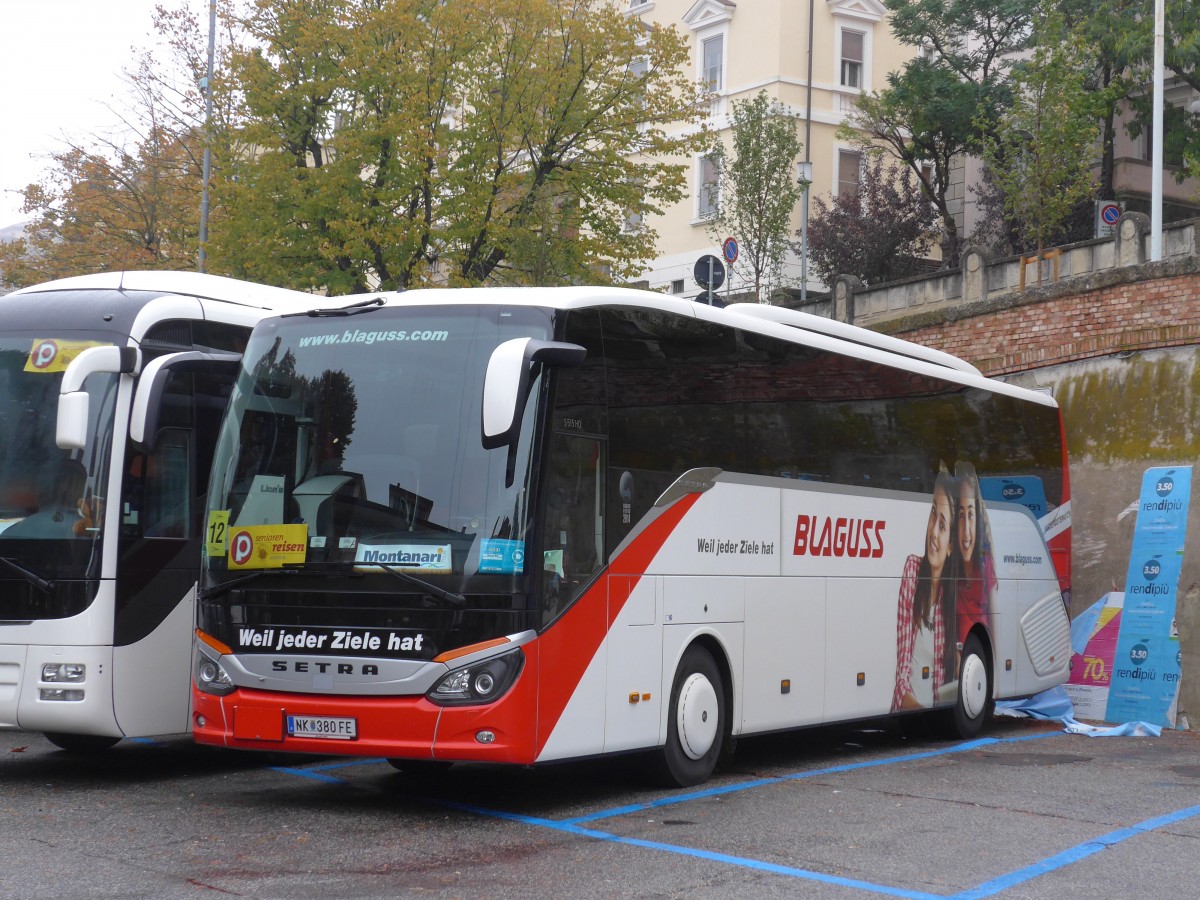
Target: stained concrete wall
x=1124 y=414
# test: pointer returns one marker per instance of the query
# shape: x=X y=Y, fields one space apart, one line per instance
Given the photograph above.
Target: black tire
x=975 y=702
x=428 y=767
x=696 y=721
x=83 y=744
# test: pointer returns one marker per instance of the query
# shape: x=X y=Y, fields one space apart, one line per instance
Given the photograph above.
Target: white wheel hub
x=973 y=686
x=696 y=715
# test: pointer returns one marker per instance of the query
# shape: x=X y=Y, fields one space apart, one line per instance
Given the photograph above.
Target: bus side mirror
x=506 y=384
x=148 y=400
x=71 y=426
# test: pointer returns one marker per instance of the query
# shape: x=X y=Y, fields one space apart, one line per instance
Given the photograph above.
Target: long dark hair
x=923 y=599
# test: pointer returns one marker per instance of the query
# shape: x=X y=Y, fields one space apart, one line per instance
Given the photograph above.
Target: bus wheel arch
x=699 y=714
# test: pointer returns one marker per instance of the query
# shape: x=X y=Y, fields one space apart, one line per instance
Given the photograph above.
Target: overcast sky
x=60 y=64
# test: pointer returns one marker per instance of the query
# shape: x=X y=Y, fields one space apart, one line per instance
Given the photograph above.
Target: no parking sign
x=1107 y=214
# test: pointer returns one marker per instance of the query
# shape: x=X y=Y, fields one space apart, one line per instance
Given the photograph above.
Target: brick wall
x=1131 y=315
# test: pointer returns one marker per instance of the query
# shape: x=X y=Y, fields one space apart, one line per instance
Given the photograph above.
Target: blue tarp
x=1056 y=706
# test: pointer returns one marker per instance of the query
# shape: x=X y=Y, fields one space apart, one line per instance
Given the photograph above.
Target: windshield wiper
x=352 y=309
x=458 y=601
x=225 y=587
x=46 y=587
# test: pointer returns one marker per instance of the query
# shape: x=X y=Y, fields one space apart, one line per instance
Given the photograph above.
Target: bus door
x=162 y=502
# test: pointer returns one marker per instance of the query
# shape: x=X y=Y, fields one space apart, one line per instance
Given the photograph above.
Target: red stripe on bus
x=568 y=647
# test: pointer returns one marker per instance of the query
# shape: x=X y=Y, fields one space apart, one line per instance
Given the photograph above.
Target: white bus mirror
x=71 y=426
x=506 y=384
x=152 y=386
x=71 y=429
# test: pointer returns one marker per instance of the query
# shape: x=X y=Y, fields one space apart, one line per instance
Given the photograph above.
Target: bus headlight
x=64 y=672
x=481 y=682
x=210 y=676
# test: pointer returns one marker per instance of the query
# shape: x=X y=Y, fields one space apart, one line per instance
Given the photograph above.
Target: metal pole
x=807 y=159
x=1156 y=153
x=709 y=293
x=212 y=42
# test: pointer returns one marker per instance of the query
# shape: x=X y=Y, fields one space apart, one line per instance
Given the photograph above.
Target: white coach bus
x=111 y=391
x=529 y=525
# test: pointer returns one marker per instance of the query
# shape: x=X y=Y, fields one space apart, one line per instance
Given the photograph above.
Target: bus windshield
x=51 y=500
x=352 y=444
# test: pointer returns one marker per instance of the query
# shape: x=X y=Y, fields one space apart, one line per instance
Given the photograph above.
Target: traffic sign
x=1108 y=213
x=709 y=272
x=730 y=250
x=709 y=298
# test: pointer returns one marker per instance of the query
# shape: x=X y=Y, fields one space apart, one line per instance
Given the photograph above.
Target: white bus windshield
x=51 y=500
x=354 y=443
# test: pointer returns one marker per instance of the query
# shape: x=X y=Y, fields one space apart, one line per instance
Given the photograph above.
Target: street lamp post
x=212 y=40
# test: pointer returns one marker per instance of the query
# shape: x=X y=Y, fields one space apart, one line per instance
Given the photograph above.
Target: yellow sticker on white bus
x=266 y=546
x=53 y=355
x=217 y=533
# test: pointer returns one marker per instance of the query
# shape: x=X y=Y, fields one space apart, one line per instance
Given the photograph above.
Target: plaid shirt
x=906 y=635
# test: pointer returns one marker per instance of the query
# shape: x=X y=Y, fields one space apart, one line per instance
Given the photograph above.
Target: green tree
x=1041 y=153
x=1181 y=49
x=406 y=142
x=944 y=101
x=756 y=189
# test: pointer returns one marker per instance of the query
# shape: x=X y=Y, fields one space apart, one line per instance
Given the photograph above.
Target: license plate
x=329 y=727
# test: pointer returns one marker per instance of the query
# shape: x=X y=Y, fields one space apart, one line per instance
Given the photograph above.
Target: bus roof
x=191 y=284
x=786 y=324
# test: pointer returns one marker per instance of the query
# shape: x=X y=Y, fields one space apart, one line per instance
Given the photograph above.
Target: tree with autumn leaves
x=413 y=142
x=367 y=144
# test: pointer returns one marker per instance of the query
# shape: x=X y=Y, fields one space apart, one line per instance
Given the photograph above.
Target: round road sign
x=709 y=272
x=1109 y=213
x=730 y=250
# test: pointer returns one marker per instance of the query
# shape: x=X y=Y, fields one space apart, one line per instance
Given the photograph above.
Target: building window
x=713 y=54
x=677 y=286
x=708 y=187
x=852 y=59
x=849 y=172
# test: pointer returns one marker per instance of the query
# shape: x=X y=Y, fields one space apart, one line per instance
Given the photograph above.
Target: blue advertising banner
x=1146 y=663
x=1024 y=489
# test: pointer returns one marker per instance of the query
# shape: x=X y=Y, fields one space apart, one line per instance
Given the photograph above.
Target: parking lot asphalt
x=1025 y=811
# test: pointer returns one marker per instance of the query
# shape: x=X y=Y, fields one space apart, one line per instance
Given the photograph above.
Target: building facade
x=742 y=48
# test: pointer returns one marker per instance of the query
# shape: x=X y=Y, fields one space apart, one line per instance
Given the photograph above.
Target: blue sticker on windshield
x=501 y=556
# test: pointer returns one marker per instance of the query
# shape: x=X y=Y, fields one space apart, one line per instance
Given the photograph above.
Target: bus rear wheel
x=81 y=743
x=974 y=704
x=695 y=721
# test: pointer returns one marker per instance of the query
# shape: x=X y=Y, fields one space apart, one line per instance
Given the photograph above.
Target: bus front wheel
x=81 y=743
x=695 y=721
x=975 y=702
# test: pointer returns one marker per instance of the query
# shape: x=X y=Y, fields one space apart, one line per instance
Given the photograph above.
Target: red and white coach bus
x=529 y=525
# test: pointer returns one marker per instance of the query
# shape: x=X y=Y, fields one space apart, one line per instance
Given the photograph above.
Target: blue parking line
x=797 y=776
x=742 y=861
x=308 y=773
x=314 y=772
x=1074 y=854
x=990 y=888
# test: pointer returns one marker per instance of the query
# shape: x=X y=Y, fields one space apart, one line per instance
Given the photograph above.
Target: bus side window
x=572 y=540
x=158 y=495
